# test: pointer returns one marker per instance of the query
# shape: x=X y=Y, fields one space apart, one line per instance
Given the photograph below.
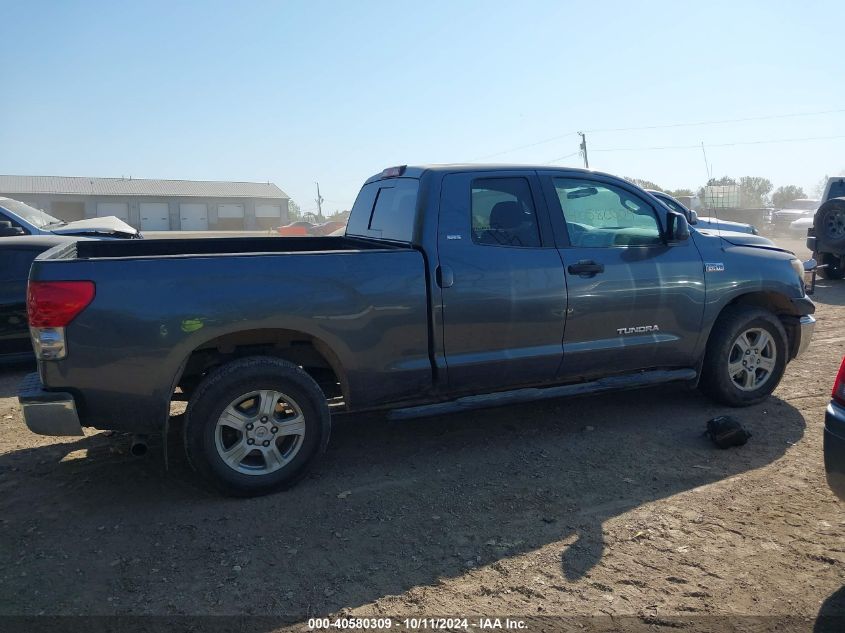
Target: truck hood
x=109 y=225
x=709 y=222
x=743 y=239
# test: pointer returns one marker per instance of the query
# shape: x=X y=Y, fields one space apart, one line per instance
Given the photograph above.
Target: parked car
x=453 y=287
x=327 y=228
x=801 y=208
x=703 y=223
x=826 y=238
x=16 y=256
x=300 y=228
x=17 y=218
x=799 y=227
x=834 y=436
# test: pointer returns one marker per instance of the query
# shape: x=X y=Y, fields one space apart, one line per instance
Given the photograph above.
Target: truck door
x=502 y=281
x=635 y=300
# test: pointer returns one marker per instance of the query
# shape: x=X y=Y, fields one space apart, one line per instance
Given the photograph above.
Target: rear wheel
x=833 y=268
x=256 y=425
x=746 y=356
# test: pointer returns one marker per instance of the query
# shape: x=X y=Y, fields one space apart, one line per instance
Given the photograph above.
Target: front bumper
x=834 y=448
x=806 y=325
x=47 y=412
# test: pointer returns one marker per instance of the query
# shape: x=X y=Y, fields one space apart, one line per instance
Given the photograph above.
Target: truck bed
x=158 y=301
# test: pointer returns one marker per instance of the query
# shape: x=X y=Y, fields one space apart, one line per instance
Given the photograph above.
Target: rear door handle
x=586 y=267
x=445 y=277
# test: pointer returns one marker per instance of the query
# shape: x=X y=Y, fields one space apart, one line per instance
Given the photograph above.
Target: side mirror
x=677 y=227
x=693 y=217
x=7 y=230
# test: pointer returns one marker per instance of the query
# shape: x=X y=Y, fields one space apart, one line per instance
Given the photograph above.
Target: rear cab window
x=385 y=209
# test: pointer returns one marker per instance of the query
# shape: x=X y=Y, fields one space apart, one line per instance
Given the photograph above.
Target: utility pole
x=319 y=200
x=584 y=149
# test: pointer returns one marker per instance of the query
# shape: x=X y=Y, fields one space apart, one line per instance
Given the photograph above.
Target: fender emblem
x=453 y=237
x=714 y=267
x=640 y=329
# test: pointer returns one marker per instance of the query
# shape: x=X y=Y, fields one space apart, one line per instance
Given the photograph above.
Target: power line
x=720 y=121
x=698 y=146
x=514 y=149
x=554 y=160
x=662 y=126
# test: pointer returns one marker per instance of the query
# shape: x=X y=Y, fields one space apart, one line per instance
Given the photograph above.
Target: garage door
x=194 y=216
x=230 y=211
x=268 y=211
x=268 y=216
x=155 y=216
x=230 y=217
x=117 y=209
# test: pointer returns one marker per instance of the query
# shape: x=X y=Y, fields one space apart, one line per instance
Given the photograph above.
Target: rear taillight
x=52 y=304
x=839 y=386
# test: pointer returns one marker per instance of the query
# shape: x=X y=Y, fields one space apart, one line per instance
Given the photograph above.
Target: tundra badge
x=640 y=329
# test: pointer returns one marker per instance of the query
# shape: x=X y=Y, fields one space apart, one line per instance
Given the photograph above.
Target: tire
x=255 y=426
x=745 y=386
x=833 y=267
x=829 y=224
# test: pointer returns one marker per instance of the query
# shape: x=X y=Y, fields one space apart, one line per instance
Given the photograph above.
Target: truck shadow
x=829 y=292
x=390 y=508
x=831 y=617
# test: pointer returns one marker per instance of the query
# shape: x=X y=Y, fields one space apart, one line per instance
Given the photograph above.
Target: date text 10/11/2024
x=417 y=624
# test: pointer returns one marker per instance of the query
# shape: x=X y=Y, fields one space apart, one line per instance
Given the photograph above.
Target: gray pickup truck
x=454 y=287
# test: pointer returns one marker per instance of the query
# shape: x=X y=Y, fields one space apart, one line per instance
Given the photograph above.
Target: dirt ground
x=607 y=505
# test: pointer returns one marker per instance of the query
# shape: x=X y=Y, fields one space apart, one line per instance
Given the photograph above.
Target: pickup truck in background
x=453 y=287
x=826 y=238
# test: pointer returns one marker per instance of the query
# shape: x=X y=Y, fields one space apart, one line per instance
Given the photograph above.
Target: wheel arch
x=308 y=351
x=772 y=301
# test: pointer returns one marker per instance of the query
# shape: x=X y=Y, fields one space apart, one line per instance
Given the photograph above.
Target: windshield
x=29 y=214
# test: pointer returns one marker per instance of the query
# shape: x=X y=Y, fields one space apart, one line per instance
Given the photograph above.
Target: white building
x=155 y=205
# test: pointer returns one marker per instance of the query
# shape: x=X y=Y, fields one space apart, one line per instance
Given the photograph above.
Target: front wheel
x=256 y=425
x=745 y=358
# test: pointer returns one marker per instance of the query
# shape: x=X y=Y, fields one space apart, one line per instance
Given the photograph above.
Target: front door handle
x=586 y=267
x=445 y=276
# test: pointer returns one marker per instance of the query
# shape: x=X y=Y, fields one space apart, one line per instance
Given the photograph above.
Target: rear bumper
x=47 y=412
x=834 y=448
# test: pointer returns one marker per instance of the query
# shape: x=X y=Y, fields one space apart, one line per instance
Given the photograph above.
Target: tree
x=645 y=184
x=786 y=194
x=754 y=191
x=680 y=192
x=818 y=190
x=724 y=181
x=294 y=211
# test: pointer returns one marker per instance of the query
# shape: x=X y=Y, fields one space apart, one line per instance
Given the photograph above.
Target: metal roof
x=82 y=186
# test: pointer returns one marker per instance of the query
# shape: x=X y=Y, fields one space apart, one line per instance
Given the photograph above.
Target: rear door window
x=503 y=213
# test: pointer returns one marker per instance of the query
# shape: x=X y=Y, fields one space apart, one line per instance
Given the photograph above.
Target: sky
x=299 y=92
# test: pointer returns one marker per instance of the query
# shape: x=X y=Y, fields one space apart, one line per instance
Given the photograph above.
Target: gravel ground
x=613 y=504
